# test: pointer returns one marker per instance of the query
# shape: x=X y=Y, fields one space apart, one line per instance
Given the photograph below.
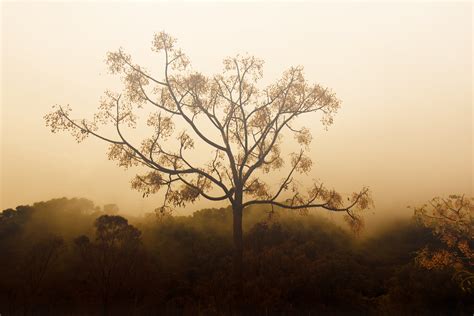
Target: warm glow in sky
x=403 y=72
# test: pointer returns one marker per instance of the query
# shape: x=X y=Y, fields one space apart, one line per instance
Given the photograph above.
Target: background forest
x=69 y=256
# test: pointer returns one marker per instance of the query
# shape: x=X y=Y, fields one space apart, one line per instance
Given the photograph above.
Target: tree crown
x=241 y=124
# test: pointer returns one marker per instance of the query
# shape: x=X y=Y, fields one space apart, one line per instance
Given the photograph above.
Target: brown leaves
x=163 y=125
x=134 y=77
x=135 y=82
x=302 y=163
x=149 y=183
x=196 y=83
x=363 y=200
x=435 y=260
x=186 y=141
x=274 y=161
x=123 y=155
x=258 y=188
x=117 y=61
x=355 y=222
x=452 y=222
x=175 y=57
x=162 y=41
x=453 y=216
x=303 y=136
x=245 y=69
x=250 y=124
x=59 y=120
x=185 y=194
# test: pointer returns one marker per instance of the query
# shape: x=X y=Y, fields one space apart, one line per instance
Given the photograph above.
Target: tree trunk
x=237 y=252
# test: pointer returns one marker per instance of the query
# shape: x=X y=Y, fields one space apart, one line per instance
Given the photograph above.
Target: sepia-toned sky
x=403 y=72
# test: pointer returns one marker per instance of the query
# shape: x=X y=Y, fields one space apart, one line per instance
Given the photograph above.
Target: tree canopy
x=241 y=124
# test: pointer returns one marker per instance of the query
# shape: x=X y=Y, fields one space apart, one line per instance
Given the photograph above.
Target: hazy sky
x=403 y=72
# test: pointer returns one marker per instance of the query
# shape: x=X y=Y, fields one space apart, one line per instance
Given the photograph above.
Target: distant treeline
x=69 y=257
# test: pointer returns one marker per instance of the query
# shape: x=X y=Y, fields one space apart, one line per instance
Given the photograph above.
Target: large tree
x=241 y=124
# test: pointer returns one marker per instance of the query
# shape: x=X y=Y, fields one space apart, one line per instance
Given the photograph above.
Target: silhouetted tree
x=112 y=258
x=241 y=125
x=36 y=264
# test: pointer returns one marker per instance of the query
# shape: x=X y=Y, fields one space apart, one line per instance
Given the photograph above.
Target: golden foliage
x=452 y=222
x=251 y=123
